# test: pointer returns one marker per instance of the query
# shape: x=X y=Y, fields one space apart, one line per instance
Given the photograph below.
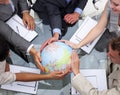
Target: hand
x=71 y=18
x=28 y=21
x=37 y=59
x=4 y=1
x=50 y=40
x=58 y=74
x=71 y=44
x=75 y=62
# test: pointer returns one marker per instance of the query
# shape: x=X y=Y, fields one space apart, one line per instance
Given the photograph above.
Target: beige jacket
x=6 y=77
x=80 y=83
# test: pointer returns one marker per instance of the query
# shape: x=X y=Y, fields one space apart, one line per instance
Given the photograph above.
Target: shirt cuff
x=57 y=30
x=76 y=76
x=78 y=10
x=25 y=11
x=29 y=48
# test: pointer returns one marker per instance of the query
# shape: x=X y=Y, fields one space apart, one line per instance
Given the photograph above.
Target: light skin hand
x=37 y=58
x=71 y=18
x=71 y=44
x=50 y=40
x=25 y=76
x=75 y=64
x=4 y=2
x=56 y=75
x=28 y=21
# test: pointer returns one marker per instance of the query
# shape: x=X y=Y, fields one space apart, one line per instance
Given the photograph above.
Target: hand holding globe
x=56 y=56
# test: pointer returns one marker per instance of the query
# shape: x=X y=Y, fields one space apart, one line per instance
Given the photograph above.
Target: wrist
x=32 y=51
x=25 y=12
x=77 y=15
x=56 y=35
x=76 y=73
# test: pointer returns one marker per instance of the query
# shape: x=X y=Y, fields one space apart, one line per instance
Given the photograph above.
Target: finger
x=42 y=68
x=62 y=41
x=25 y=23
x=43 y=45
x=32 y=26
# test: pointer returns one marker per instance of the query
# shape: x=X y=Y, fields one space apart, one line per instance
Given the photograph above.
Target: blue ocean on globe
x=56 y=56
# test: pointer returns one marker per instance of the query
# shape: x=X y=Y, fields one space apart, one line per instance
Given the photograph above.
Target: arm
x=55 y=19
x=94 y=33
x=4 y=1
x=36 y=55
x=72 y=18
x=35 y=77
x=7 y=77
x=82 y=85
x=27 y=19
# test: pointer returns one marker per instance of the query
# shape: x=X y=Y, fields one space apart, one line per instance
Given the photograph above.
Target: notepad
x=82 y=32
x=17 y=25
x=26 y=87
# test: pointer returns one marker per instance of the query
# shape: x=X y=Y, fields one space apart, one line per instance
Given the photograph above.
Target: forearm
x=31 y=77
x=23 y=5
x=95 y=32
x=83 y=86
x=89 y=38
x=32 y=51
x=56 y=35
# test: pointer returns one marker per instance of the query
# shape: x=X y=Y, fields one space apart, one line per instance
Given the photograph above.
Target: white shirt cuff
x=57 y=30
x=76 y=76
x=29 y=48
x=78 y=10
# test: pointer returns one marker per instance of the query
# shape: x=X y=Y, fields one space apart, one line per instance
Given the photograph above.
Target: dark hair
x=4 y=49
x=115 y=44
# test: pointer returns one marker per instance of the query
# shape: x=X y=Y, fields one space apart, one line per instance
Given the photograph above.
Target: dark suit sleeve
x=54 y=16
x=23 y=5
x=82 y=4
x=13 y=38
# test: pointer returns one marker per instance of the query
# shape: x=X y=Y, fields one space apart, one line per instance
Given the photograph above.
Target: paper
x=97 y=77
x=82 y=32
x=26 y=87
x=17 y=25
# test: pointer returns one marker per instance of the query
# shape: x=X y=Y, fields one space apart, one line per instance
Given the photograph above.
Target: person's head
x=115 y=6
x=4 y=49
x=114 y=50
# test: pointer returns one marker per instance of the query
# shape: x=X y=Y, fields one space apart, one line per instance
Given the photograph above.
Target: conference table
x=94 y=60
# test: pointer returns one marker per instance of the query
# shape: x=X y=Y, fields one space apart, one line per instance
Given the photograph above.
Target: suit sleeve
x=82 y=4
x=84 y=87
x=54 y=16
x=23 y=5
x=6 y=77
x=13 y=38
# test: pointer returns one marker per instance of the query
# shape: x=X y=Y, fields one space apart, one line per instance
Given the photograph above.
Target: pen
x=35 y=86
x=26 y=85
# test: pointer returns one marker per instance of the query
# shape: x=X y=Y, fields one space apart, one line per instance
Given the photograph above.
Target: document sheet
x=17 y=25
x=82 y=32
x=26 y=87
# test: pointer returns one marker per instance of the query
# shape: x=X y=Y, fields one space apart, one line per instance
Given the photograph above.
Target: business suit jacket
x=17 y=43
x=56 y=9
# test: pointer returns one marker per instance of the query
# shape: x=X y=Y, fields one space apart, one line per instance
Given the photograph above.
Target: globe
x=56 y=56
